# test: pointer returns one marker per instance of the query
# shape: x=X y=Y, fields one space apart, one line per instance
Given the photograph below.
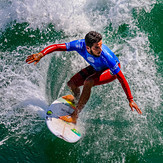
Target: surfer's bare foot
x=69 y=98
x=68 y=118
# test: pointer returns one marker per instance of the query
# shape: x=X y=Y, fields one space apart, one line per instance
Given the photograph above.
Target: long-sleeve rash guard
x=107 y=59
x=55 y=47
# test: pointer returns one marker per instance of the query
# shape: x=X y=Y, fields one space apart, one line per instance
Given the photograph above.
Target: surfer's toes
x=71 y=98
x=68 y=98
x=68 y=118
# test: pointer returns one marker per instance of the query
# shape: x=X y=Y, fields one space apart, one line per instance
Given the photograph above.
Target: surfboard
x=69 y=132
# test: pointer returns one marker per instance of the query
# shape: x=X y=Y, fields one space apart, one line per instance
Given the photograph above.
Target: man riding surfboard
x=104 y=68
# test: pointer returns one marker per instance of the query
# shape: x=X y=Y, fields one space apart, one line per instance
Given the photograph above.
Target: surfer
x=104 y=68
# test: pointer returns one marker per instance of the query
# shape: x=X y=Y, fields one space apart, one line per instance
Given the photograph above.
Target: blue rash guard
x=106 y=60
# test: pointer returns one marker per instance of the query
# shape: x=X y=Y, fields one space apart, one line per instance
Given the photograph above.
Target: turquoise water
x=111 y=132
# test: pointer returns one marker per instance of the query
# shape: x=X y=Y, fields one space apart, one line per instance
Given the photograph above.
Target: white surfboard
x=69 y=132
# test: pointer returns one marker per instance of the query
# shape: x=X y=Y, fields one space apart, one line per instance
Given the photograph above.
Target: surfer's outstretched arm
x=36 y=57
x=127 y=90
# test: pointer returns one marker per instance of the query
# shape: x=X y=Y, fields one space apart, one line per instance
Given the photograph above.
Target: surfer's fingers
x=30 y=58
x=132 y=108
x=138 y=110
x=31 y=61
x=34 y=57
x=131 y=105
x=36 y=62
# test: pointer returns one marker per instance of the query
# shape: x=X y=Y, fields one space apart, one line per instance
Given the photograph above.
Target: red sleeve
x=55 y=47
x=125 y=85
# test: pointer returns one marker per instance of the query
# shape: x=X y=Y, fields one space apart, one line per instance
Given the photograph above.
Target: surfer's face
x=96 y=49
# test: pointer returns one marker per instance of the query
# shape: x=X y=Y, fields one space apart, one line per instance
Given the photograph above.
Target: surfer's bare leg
x=75 y=90
x=85 y=95
x=75 y=82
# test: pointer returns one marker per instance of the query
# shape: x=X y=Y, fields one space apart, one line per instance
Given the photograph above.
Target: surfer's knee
x=89 y=82
x=71 y=84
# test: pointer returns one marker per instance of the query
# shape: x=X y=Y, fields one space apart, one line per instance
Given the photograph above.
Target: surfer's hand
x=34 y=58
x=132 y=105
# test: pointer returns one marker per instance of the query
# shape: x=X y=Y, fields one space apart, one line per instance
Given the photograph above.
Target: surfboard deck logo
x=69 y=132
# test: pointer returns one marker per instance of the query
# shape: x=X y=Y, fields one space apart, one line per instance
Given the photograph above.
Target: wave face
x=111 y=132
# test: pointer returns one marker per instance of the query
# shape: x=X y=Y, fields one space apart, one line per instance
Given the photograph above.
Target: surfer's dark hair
x=92 y=37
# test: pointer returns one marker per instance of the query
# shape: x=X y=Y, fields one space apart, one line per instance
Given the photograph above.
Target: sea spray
x=113 y=133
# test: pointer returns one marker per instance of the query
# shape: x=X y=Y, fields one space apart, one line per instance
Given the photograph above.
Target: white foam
x=22 y=90
x=119 y=130
x=110 y=128
x=71 y=16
